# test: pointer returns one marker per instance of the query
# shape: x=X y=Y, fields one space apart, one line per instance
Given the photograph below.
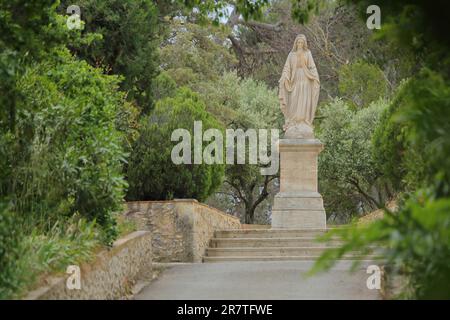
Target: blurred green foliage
x=412 y=148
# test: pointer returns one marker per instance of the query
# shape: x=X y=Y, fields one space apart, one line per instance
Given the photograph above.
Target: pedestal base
x=298 y=205
x=302 y=210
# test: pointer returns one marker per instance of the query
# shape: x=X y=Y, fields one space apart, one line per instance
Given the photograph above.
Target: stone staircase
x=268 y=245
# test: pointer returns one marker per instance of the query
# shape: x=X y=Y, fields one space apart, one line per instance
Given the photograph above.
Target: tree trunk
x=249 y=215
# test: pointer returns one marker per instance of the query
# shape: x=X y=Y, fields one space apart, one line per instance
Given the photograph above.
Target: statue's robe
x=299 y=89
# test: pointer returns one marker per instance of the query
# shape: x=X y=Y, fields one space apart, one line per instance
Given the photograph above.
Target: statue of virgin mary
x=299 y=91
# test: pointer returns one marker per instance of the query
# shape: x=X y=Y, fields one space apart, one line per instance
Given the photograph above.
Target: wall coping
x=119 y=243
x=163 y=201
x=193 y=201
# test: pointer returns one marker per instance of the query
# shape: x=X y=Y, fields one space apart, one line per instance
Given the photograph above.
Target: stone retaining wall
x=110 y=276
x=181 y=229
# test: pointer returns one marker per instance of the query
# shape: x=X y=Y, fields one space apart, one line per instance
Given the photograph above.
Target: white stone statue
x=299 y=91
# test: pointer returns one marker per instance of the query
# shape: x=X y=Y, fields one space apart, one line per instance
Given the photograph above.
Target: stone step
x=270 y=233
x=265 y=252
x=269 y=242
x=280 y=258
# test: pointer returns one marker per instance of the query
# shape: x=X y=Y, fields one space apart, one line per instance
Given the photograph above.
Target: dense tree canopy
x=361 y=83
x=245 y=104
x=151 y=172
x=349 y=179
x=129 y=35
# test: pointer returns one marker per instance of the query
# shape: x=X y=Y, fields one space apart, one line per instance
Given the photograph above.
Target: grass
x=43 y=253
x=125 y=226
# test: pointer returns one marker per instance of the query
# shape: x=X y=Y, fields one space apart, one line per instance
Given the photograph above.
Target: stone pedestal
x=298 y=205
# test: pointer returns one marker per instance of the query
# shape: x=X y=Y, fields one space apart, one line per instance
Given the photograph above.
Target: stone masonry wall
x=181 y=229
x=110 y=276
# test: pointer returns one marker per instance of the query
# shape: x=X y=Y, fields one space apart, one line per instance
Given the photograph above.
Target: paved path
x=258 y=280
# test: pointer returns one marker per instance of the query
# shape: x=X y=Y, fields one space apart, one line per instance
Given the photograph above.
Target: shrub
x=68 y=152
x=151 y=173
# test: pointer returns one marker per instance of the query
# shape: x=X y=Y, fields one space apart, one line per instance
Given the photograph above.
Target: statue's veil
x=300 y=36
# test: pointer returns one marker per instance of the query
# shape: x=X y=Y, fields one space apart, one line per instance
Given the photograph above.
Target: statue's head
x=300 y=42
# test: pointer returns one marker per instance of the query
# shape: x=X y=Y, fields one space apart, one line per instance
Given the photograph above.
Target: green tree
x=164 y=86
x=244 y=103
x=152 y=175
x=130 y=35
x=28 y=32
x=195 y=53
x=361 y=83
x=402 y=163
x=349 y=180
